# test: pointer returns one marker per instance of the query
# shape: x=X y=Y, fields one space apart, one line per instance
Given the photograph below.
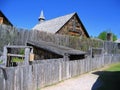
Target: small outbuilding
x=118 y=43
x=48 y=50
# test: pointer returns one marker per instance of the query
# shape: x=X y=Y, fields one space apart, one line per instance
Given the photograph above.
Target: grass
x=17 y=60
x=113 y=67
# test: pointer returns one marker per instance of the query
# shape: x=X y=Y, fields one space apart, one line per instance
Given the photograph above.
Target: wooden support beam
x=15 y=55
x=18 y=47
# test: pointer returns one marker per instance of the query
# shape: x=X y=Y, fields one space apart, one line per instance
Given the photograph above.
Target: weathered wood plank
x=27 y=56
x=15 y=55
x=18 y=46
x=33 y=77
x=2 y=80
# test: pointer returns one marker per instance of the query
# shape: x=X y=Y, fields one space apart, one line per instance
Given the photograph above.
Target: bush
x=16 y=59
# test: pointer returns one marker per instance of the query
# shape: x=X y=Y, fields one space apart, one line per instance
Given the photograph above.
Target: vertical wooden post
x=68 y=69
x=60 y=72
x=5 y=56
x=66 y=59
x=92 y=54
x=102 y=56
x=27 y=56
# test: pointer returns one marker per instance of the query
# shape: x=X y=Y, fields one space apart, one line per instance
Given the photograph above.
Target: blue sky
x=96 y=15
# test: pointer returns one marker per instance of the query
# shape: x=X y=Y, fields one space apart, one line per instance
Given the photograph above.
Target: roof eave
x=48 y=48
x=82 y=26
x=6 y=18
x=65 y=23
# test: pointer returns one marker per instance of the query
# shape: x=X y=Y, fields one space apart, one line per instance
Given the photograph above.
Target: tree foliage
x=114 y=37
x=103 y=36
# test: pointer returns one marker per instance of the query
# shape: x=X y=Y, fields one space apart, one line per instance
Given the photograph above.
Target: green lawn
x=113 y=67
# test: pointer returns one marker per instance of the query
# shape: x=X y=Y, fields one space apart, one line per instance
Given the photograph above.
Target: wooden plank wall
x=47 y=72
x=16 y=36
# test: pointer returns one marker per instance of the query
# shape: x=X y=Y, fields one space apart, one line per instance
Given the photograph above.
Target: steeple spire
x=41 y=18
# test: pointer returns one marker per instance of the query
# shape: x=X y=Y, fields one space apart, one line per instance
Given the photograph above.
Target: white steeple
x=41 y=18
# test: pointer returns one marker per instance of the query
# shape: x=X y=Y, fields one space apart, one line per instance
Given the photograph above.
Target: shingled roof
x=60 y=50
x=53 y=25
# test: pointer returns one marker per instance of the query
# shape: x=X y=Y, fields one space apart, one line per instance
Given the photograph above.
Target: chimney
x=41 y=18
x=109 y=36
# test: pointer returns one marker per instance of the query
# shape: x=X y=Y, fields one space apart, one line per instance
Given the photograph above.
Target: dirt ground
x=82 y=82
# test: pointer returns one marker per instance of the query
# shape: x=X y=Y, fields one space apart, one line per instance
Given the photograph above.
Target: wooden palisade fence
x=15 y=36
x=41 y=73
x=46 y=72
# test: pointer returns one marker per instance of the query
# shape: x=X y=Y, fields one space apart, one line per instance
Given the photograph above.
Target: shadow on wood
x=4 y=73
x=107 y=80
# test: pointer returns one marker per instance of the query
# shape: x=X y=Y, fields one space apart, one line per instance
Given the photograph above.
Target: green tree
x=114 y=37
x=103 y=36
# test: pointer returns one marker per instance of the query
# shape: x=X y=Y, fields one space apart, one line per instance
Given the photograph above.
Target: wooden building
x=4 y=19
x=48 y=50
x=118 y=43
x=66 y=25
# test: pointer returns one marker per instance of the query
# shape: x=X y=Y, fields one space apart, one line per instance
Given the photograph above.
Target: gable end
x=73 y=27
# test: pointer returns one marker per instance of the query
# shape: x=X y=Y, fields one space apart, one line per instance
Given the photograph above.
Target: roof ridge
x=63 y=16
x=53 y=25
x=59 y=17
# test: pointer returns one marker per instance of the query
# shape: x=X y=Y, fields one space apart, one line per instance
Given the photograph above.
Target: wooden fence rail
x=47 y=72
